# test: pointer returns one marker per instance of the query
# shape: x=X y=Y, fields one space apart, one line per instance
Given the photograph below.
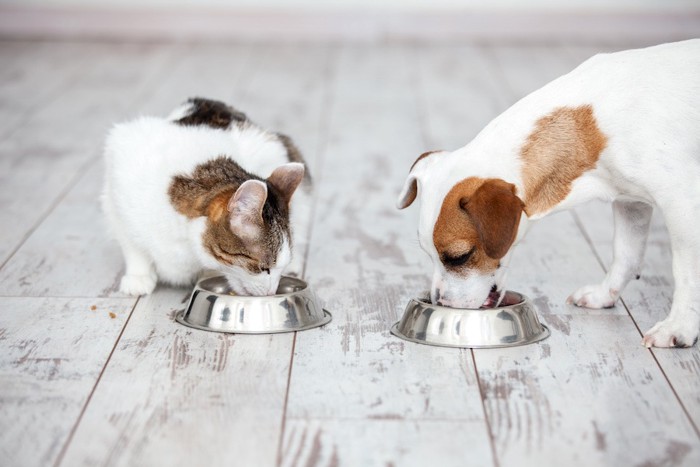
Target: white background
x=378 y=5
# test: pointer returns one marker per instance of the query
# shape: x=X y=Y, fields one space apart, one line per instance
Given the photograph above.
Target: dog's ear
x=409 y=192
x=495 y=210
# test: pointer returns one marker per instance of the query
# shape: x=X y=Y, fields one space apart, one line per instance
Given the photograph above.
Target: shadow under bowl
x=514 y=322
x=212 y=307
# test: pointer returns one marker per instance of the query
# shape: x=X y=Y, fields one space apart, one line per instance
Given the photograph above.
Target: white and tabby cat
x=204 y=188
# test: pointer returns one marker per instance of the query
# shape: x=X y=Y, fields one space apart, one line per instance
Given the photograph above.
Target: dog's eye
x=458 y=260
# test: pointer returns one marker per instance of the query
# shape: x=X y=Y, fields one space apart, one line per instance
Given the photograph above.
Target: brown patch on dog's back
x=564 y=144
x=214 y=114
x=480 y=213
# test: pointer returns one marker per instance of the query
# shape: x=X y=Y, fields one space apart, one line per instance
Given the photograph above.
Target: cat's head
x=247 y=234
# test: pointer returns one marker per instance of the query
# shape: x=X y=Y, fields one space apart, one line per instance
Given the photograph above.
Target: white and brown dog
x=623 y=127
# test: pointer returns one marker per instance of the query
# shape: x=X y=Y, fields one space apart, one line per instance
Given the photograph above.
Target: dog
x=622 y=127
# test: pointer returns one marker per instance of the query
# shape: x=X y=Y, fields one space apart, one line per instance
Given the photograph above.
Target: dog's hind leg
x=681 y=327
x=632 y=220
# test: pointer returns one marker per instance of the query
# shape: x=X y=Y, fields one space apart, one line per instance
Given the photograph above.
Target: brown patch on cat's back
x=186 y=196
x=191 y=195
x=218 y=205
x=214 y=114
x=564 y=144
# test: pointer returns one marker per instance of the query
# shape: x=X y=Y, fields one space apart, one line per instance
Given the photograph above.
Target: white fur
x=647 y=102
x=158 y=243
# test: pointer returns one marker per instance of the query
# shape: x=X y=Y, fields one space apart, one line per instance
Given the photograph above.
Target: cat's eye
x=460 y=260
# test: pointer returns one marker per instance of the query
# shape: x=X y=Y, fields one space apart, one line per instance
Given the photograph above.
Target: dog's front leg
x=632 y=220
x=681 y=327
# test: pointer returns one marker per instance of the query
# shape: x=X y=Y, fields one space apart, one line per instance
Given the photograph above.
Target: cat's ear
x=246 y=207
x=286 y=178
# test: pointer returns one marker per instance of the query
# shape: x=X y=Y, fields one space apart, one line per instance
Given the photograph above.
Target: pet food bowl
x=513 y=322
x=212 y=307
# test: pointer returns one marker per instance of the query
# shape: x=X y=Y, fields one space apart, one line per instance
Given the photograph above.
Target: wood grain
x=348 y=393
x=649 y=299
x=365 y=266
x=51 y=353
x=379 y=442
x=43 y=158
x=534 y=395
x=33 y=74
x=197 y=389
x=172 y=395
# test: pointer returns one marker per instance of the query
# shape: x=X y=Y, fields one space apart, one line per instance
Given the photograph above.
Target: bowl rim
x=258 y=297
x=424 y=300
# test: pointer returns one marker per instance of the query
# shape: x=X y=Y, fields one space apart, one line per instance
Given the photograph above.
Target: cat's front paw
x=136 y=285
x=594 y=296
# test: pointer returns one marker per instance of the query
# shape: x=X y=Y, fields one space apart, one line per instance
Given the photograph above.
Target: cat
x=204 y=189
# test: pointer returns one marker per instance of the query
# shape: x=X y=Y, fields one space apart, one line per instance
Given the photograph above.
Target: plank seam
x=327 y=103
x=82 y=170
x=60 y=89
x=424 y=123
x=286 y=401
x=489 y=431
x=321 y=150
x=588 y=239
x=64 y=449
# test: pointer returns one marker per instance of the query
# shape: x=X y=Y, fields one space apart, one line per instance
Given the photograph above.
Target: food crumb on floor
x=93 y=307
x=112 y=315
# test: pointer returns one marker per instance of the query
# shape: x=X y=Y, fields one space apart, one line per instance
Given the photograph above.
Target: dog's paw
x=594 y=296
x=668 y=333
x=137 y=285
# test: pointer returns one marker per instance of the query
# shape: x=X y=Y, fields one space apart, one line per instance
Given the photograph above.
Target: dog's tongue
x=493 y=298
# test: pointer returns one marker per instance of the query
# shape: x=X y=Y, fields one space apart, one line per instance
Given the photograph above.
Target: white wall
x=392 y=5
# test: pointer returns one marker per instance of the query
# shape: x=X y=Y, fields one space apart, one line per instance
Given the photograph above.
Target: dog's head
x=467 y=226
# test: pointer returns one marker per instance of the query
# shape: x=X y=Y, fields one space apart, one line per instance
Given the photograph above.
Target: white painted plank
x=41 y=159
x=378 y=443
x=70 y=254
x=457 y=95
x=365 y=266
x=520 y=70
x=649 y=299
x=76 y=228
x=195 y=389
x=51 y=353
x=172 y=395
x=588 y=394
x=34 y=73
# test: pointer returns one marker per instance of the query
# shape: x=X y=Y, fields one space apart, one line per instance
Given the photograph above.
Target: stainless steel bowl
x=512 y=323
x=213 y=308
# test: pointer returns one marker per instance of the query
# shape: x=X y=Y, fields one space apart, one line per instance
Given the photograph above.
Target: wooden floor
x=91 y=377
